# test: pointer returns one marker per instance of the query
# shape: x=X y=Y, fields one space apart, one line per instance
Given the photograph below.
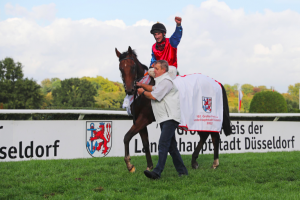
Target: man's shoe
x=151 y=175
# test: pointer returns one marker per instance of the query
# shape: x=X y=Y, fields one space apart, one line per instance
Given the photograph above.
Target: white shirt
x=162 y=89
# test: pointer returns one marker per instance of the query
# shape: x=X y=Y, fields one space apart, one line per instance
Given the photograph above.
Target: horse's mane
x=125 y=54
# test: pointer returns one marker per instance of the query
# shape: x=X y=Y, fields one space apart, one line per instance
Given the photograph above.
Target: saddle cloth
x=201 y=103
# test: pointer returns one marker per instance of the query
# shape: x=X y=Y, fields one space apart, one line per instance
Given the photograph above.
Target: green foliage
x=232 y=95
x=268 y=102
x=292 y=106
x=227 y=88
x=234 y=110
x=294 y=90
x=109 y=99
x=246 y=100
x=109 y=94
x=101 y=83
x=247 y=88
x=74 y=93
x=17 y=92
x=48 y=85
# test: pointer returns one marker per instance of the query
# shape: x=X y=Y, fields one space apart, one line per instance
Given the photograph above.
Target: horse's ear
x=118 y=53
x=129 y=51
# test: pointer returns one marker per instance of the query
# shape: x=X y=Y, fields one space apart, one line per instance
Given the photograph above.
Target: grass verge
x=240 y=176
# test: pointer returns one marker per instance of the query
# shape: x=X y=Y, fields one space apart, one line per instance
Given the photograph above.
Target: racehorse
x=131 y=72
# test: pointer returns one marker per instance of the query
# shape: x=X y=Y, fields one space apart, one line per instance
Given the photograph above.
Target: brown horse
x=132 y=71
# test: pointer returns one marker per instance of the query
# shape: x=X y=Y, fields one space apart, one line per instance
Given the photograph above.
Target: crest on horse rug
x=98 y=138
x=207 y=104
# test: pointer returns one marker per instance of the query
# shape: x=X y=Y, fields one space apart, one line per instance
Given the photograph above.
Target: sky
x=255 y=42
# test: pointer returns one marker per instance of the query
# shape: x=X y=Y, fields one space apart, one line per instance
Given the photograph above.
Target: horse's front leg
x=145 y=140
x=216 y=141
x=137 y=127
x=203 y=137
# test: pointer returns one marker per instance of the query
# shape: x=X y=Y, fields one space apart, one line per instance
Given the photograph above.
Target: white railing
x=276 y=115
x=81 y=113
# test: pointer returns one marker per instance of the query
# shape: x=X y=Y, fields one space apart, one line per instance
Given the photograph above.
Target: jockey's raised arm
x=166 y=48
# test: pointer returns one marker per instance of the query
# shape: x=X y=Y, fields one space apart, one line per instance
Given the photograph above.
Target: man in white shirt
x=166 y=108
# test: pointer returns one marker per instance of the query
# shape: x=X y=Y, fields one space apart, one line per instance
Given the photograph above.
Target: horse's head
x=128 y=68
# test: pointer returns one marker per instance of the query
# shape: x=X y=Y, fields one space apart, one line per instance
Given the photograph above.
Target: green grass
x=239 y=176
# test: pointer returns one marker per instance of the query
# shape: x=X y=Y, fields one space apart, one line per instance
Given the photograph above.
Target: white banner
x=24 y=140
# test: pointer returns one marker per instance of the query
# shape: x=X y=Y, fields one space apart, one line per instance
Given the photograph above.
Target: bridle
x=135 y=71
x=134 y=85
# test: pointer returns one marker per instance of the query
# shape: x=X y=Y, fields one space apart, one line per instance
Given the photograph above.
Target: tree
x=74 y=93
x=262 y=88
x=292 y=106
x=256 y=90
x=292 y=103
x=227 y=89
x=247 y=88
x=16 y=92
x=109 y=94
x=235 y=86
x=101 y=83
x=294 y=91
x=55 y=83
x=268 y=102
x=109 y=99
x=246 y=103
x=48 y=100
x=232 y=95
x=48 y=85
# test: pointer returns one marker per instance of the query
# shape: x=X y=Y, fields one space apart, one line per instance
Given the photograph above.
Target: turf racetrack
x=273 y=175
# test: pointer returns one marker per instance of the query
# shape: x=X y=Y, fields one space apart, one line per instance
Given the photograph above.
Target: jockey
x=166 y=48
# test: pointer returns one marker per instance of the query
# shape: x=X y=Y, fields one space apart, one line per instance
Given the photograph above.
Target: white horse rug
x=201 y=103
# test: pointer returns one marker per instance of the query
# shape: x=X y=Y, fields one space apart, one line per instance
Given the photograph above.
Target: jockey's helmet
x=158 y=27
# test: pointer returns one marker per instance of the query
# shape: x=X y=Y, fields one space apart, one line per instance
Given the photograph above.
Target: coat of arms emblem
x=98 y=138
x=207 y=104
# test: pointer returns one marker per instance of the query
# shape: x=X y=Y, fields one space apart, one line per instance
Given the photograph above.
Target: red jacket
x=169 y=53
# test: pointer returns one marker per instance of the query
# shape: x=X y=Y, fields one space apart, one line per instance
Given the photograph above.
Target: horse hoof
x=149 y=168
x=214 y=167
x=195 y=166
x=132 y=169
x=215 y=164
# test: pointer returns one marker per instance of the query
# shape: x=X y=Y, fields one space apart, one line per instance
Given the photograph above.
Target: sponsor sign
x=25 y=140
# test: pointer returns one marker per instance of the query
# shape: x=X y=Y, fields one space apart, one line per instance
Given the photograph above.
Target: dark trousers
x=167 y=143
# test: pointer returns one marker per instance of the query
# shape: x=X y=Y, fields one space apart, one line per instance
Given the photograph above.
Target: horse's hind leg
x=216 y=141
x=145 y=140
x=203 y=137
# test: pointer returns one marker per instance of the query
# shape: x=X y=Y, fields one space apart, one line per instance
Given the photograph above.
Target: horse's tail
x=226 y=125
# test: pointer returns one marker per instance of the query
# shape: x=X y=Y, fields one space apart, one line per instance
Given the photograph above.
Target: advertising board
x=25 y=140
